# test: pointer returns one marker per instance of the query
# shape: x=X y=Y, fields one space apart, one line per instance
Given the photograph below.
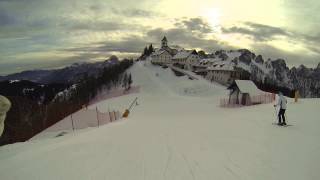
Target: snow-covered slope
x=177 y=131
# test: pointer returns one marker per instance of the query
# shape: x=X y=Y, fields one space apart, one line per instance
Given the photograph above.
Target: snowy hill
x=178 y=131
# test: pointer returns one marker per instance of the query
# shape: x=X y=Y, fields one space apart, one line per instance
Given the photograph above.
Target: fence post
x=45 y=117
x=97 y=115
x=267 y=98
x=114 y=115
x=72 y=123
x=110 y=115
x=118 y=115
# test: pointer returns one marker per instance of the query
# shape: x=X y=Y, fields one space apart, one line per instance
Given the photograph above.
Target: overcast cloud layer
x=50 y=34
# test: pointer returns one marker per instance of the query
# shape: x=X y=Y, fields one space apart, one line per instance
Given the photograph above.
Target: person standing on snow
x=282 y=102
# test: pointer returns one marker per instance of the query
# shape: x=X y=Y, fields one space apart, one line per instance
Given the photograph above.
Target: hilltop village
x=223 y=66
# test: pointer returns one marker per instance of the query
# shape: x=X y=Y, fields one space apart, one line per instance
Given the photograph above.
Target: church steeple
x=164 y=42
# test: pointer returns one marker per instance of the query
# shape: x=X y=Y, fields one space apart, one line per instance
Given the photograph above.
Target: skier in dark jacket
x=282 y=102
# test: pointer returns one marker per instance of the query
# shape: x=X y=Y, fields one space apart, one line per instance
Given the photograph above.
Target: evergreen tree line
x=272 y=87
x=27 y=117
x=148 y=50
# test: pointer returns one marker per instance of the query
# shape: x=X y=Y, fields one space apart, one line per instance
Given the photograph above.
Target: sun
x=213 y=16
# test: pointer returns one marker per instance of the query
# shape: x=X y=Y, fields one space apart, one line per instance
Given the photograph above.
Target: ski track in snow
x=190 y=168
x=169 y=157
x=178 y=131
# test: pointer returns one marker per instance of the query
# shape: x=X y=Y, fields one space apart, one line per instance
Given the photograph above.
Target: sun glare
x=213 y=16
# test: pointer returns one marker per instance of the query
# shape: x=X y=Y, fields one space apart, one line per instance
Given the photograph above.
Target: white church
x=164 y=54
x=182 y=58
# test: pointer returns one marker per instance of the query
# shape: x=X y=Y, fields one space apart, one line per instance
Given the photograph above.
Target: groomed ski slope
x=177 y=132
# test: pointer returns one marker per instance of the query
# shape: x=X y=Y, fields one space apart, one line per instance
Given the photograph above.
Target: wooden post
x=97 y=115
x=114 y=115
x=45 y=117
x=110 y=116
x=296 y=96
x=273 y=96
x=72 y=123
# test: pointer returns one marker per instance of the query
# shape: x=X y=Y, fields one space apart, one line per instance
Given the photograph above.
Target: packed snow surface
x=178 y=131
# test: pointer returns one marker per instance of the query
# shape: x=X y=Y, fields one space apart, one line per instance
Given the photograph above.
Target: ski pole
x=285 y=114
x=275 y=111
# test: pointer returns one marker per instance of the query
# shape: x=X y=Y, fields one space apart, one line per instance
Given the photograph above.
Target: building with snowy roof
x=243 y=92
x=164 y=54
x=186 y=58
x=225 y=72
x=206 y=62
x=161 y=56
x=201 y=68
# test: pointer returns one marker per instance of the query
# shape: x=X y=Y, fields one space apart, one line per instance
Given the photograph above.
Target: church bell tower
x=164 y=42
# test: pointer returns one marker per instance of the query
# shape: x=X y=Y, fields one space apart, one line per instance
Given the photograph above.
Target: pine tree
x=125 y=81
x=129 y=81
x=150 y=50
x=145 y=51
x=202 y=54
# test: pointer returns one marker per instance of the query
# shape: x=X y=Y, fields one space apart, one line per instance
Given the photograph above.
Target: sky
x=54 y=33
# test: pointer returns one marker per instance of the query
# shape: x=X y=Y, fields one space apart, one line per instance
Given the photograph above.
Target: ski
x=282 y=125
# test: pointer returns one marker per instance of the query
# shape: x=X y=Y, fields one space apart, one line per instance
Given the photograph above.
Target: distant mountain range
x=67 y=75
x=305 y=80
x=40 y=93
x=276 y=72
x=43 y=86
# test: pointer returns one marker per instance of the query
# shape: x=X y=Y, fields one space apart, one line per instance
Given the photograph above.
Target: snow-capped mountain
x=275 y=72
x=307 y=80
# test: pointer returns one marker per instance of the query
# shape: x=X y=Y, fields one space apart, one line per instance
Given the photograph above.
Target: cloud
x=292 y=58
x=189 y=33
x=312 y=42
x=179 y=35
x=134 y=12
x=258 y=32
x=195 y=24
x=6 y=18
x=100 y=26
x=90 y=29
x=261 y=33
x=303 y=16
x=184 y=37
x=132 y=44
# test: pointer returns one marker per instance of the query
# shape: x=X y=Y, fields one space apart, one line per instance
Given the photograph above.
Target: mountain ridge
x=68 y=75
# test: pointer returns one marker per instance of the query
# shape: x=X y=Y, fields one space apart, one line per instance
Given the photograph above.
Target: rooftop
x=247 y=86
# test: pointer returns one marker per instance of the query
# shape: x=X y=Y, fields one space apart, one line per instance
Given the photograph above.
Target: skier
x=282 y=102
